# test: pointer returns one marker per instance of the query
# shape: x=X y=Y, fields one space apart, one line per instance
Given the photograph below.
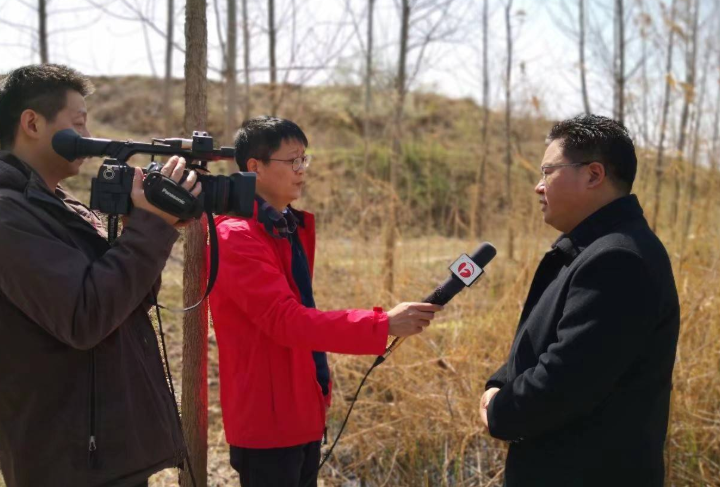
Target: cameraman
x=274 y=377
x=83 y=395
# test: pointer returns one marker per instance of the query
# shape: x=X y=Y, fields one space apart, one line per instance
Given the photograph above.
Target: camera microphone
x=72 y=145
x=464 y=272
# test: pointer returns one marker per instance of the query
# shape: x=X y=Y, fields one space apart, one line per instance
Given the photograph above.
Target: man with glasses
x=584 y=396
x=274 y=377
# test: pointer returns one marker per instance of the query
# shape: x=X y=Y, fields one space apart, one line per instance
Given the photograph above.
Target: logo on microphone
x=466 y=270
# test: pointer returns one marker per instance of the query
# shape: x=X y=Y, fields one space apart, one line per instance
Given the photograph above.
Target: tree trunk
x=583 y=80
x=195 y=324
x=273 y=63
x=167 y=85
x=691 y=187
x=246 y=60
x=645 y=87
x=231 y=78
x=42 y=31
x=478 y=204
x=508 y=148
x=396 y=157
x=619 y=64
x=663 y=122
x=688 y=99
x=368 y=108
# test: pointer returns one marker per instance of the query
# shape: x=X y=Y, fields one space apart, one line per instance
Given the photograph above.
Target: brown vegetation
x=417 y=421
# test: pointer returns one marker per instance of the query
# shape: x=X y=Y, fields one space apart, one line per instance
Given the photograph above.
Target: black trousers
x=294 y=466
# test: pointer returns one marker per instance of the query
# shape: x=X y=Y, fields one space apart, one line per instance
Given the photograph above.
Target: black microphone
x=465 y=271
x=72 y=145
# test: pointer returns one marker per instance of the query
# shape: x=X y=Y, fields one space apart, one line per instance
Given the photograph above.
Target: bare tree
x=246 y=59
x=581 y=45
x=508 y=115
x=272 y=34
x=478 y=204
x=368 y=101
x=195 y=324
x=691 y=186
x=619 y=63
x=645 y=22
x=42 y=31
x=167 y=86
x=688 y=99
x=663 y=122
x=400 y=92
x=231 y=70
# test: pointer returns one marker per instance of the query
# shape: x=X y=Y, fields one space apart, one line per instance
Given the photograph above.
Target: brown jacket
x=78 y=354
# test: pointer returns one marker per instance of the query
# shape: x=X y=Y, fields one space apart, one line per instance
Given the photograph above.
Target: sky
x=104 y=37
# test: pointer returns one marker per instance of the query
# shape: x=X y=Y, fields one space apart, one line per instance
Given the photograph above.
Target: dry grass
x=417 y=422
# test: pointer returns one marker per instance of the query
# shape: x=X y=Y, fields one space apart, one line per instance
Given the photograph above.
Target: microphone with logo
x=464 y=272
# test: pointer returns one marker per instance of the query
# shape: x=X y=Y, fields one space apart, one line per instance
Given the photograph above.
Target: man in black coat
x=584 y=395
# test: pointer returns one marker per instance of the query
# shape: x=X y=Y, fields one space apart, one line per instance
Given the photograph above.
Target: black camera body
x=111 y=190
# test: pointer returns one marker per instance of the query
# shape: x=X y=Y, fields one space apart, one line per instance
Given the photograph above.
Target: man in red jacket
x=274 y=379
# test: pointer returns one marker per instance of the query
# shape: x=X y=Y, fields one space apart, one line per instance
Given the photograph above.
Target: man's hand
x=407 y=319
x=173 y=169
x=485 y=404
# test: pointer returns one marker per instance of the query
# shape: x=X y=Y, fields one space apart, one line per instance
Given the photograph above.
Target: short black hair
x=259 y=137
x=39 y=87
x=593 y=137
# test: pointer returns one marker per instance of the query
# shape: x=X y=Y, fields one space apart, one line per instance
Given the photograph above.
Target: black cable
x=172 y=387
x=377 y=362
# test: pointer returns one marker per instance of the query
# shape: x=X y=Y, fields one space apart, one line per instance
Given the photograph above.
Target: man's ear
x=31 y=124
x=252 y=165
x=597 y=174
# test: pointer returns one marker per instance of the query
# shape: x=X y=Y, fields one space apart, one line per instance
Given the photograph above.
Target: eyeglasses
x=298 y=163
x=543 y=169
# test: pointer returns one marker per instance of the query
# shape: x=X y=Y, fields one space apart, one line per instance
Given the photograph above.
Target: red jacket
x=268 y=388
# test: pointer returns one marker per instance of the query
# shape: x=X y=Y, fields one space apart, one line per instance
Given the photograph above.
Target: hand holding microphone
x=407 y=319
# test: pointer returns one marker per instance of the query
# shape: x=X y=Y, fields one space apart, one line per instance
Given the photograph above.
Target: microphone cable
x=442 y=295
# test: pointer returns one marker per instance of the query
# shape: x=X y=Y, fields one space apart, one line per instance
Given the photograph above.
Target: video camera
x=110 y=192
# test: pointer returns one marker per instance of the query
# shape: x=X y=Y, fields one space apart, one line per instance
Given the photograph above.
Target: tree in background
x=396 y=158
x=508 y=203
x=195 y=322
x=691 y=40
x=272 y=36
x=619 y=62
x=231 y=74
x=246 y=60
x=581 y=47
x=167 y=85
x=669 y=81
x=478 y=204
x=42 y=31
x=368 y=102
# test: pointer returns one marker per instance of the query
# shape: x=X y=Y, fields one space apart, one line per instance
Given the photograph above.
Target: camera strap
x=214 y=266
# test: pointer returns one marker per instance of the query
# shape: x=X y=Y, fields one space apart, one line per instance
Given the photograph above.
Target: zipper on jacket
x=92 y=444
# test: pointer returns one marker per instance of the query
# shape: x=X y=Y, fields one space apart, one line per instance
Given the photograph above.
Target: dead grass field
x=417 y=422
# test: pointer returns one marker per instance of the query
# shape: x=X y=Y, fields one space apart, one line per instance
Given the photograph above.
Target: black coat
x=78 y=353
x=585 y=393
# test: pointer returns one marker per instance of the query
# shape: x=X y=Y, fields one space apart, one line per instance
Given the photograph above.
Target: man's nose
x=540 y=187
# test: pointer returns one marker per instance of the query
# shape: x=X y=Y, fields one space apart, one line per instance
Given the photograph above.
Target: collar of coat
x=17 y=175
x=277 y=224
x=598 y=224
